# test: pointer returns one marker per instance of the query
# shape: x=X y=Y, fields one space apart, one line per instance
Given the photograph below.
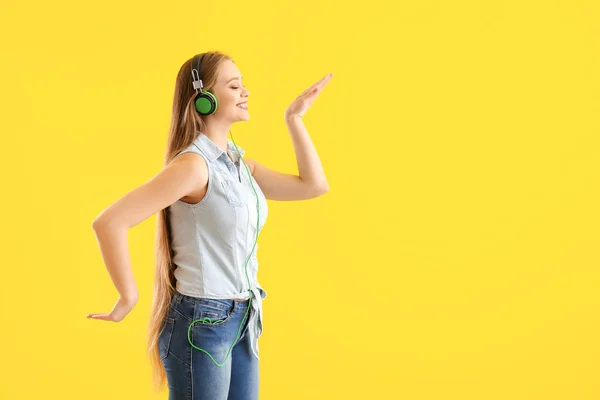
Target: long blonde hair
x=185 y=125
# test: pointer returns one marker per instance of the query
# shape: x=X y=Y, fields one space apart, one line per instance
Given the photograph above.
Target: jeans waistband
x=225 y=304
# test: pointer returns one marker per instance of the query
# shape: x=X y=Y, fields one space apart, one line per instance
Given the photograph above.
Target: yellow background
x=455 y=256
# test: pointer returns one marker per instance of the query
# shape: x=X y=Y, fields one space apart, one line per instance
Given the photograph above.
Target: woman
x=207 y=305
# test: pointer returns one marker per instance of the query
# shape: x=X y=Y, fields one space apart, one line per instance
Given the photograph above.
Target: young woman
x=207 y=306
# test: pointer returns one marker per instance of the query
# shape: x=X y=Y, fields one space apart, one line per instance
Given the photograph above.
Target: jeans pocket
x=164 y=339
x=214 y=312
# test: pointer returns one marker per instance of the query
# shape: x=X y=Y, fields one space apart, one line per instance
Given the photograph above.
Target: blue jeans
x=191 y=373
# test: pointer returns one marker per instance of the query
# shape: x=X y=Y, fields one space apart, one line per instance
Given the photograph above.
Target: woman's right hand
x=119 y=311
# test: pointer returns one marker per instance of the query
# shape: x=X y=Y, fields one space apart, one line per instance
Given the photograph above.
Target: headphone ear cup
x=206 y=103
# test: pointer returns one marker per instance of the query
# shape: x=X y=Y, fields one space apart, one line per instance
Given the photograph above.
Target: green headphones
x=206 y=104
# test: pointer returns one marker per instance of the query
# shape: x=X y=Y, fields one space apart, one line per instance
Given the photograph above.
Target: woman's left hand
x=301 y=103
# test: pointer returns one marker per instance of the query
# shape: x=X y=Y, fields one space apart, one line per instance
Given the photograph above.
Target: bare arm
x=309 y=165
x=311 y=181
x=174 y=181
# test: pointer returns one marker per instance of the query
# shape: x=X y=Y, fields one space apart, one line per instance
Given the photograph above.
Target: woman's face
x=230 y=92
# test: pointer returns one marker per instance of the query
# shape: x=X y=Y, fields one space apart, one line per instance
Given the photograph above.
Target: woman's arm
x=178 y=179
x=114 y=247
x=309 y=164
x=311 y=181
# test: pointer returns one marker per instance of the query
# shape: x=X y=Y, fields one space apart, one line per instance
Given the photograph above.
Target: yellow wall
x=455 y=256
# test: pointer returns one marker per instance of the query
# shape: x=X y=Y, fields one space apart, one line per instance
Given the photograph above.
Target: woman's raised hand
x=302 y=103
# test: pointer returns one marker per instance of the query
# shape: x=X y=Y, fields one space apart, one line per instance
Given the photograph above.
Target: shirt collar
x=213 y=151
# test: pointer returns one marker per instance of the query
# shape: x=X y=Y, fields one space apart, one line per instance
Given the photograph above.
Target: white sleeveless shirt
x=212 y=239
